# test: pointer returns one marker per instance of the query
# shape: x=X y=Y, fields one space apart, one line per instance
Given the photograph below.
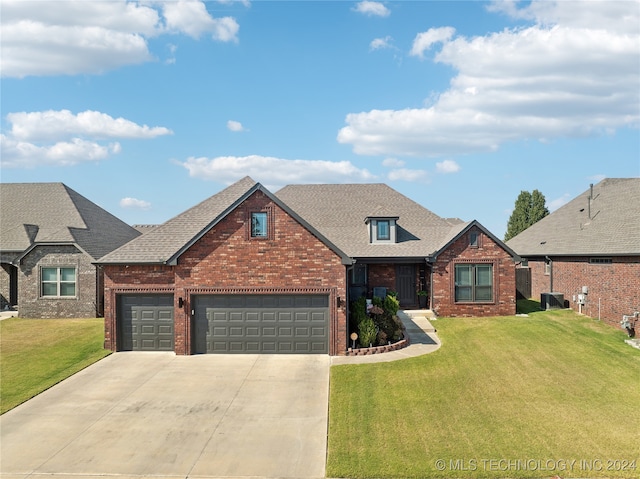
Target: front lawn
x=35 y=354
x=520 y=397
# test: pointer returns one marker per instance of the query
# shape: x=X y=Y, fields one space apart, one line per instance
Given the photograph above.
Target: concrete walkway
x=7 y=314
x=422 y=336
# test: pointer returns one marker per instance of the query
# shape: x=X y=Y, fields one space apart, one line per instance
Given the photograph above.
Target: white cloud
x=52 y=124
x=405 y=174
x=192 y=18
x=134 y=203
x=392 y=163
x=20 y=154
x=424 y=40
x=63 y=139
x=235 y=126
x=558 y=202
x=574 y=73
x=380 y=43
x=275 y=172
x=376 y=9
x=447 y=166
x=74 y=36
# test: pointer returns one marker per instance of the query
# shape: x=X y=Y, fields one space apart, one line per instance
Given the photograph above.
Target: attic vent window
x=600 y=261
x=259 y=225
x=474 y=239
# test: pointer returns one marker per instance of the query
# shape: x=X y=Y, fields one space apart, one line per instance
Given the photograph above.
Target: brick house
x=592 y=242
x=50 y=237
x=251 y=271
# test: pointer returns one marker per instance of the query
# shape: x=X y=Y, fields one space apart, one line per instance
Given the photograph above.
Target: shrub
x=359 y=310
x=366 y=332
x=391 y=305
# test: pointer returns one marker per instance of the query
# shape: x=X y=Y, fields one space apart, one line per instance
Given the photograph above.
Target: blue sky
x=149 y=107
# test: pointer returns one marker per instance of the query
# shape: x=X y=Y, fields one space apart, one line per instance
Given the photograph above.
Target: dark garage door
x=146 y=322
x=262 y=324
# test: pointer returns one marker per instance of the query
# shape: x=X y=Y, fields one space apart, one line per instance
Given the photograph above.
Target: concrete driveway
x=157 y=414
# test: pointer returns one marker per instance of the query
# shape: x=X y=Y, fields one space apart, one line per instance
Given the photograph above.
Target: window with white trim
x=58 y=282
x=473 y=283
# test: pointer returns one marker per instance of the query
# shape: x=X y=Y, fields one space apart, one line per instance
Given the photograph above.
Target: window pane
x=67 y=274
x=463 y=275
x=49 y=289
x=67 y=289
x=49 y=274
x=484 y=293
x=484 y=275
x=258 y=225
x=383 y=230
x=463 y=293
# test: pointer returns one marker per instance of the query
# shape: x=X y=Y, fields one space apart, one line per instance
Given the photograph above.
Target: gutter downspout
x=550 y=273
x=347 y=295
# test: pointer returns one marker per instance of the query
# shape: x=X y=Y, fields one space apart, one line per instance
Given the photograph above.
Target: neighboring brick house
x=592 y=242
x=50 y=236
x=250 y=271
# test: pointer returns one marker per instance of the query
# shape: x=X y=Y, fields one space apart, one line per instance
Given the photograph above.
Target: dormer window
x=382 y=230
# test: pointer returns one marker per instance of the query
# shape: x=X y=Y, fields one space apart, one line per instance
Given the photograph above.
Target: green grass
x=540 y=390
x=35 y=354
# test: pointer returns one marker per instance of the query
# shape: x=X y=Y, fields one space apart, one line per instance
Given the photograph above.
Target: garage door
x=261 y=324
x=145 y=322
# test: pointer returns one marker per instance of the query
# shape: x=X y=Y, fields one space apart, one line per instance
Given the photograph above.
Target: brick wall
x=614 y=289
x=5 y=285
x=226 y=259
x=130 y=279
x=381 y=275
x=504 y=280
x=30 y=302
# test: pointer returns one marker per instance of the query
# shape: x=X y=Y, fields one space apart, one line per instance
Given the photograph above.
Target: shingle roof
x=164 y=242
x=613 y=229
x=339 y=212
x=33 y=213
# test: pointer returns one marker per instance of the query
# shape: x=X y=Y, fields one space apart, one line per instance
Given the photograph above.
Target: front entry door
x=406 y=284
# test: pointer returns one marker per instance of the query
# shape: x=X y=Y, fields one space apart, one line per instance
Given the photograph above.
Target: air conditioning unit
x=551 y=301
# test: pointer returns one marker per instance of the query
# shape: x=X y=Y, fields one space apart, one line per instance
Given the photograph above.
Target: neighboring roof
x=46 y=213
x=339 y=213
x=144 y=228
x=165 y=243
x=613 y=229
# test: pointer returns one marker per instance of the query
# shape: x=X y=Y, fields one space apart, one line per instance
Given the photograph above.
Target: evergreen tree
x=529 y=209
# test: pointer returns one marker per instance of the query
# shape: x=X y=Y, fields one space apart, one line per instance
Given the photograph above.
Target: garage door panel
x=145 y=323
x=261 y=324
x=270 y=331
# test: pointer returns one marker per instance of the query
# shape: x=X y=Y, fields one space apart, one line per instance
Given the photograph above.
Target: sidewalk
x=7 y=314
x=422 y=336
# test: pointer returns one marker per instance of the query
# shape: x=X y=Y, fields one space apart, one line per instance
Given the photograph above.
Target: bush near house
x=381 y=325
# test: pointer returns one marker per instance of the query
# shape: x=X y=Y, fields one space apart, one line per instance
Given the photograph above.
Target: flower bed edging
x=403 y=343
